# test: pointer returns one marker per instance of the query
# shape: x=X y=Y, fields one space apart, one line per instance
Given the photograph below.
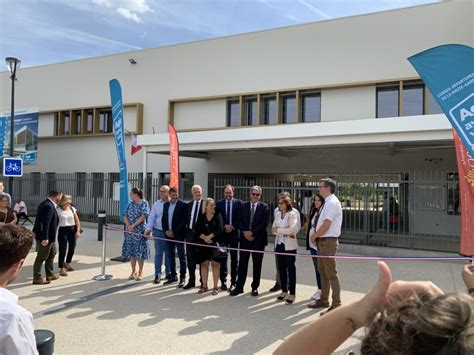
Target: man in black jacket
x=230 y=209
x=175 y=213
x=45 y=230
x=253 y=235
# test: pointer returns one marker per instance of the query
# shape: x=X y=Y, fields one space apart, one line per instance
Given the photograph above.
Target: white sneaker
x=317 y=295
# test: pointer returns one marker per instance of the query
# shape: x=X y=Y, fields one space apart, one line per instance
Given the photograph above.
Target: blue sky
x=50 y=31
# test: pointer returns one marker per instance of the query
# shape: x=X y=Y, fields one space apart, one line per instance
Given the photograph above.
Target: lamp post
x=13 y=64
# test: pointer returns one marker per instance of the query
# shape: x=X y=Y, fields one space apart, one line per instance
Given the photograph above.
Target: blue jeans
x=171 y=248
x=315 y=263
x=160 y=248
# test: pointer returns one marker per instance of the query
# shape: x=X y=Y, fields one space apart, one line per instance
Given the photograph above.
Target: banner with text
x=119 y=134
x=448 y=72
x=174 y=157
x=25 y=134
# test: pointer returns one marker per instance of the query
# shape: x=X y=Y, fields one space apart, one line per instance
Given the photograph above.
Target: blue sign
x=13 y=167
x=25 y=134
x=119 y=133
x=448 y=71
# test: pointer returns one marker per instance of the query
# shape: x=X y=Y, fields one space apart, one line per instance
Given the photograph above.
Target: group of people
x=200 y=232
x=9 y=215
x=56 y=219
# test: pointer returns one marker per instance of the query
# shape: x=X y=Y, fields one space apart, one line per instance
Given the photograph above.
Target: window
x=269 y=110
x=97 y=184
x=50 y=181
x=56 y=124
x=433 y=107
x=35 y=183
x=250 y=111
x=452 y=188
x=186 y=182
x=311 y=107
x=233 y=113
x=67 y=123
x=413 y=99
x=105 y=121
x=80 y=184
x=113 y=178
x=387 y=101
x=78 y=123
x=90 y=121
x=288 y=108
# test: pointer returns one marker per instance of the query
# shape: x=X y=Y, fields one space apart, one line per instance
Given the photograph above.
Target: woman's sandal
x=283 y=296
x=203 y=290
x=132 y=276
x=215 y=291
x=290 y=299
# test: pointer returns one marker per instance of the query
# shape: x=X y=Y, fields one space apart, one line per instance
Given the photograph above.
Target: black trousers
x=257 y=259
x=234 y=262
x=190 y=258
x=287 y=269
x=66 y=236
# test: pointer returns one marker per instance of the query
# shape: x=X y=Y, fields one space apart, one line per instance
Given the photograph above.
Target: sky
x=50 y=31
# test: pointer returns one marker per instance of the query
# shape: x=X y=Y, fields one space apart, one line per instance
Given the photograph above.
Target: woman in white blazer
x=284 y=229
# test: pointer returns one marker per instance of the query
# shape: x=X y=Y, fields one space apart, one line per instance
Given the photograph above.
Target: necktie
x=227 y=215
x=252 y=213
x=196 y=208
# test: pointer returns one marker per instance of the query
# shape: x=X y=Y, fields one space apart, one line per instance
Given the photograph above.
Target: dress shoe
x=52 y=277
x=236 y=291
x=318 y=304
x=157 y=280
x=275 y=288
x=68 y=267
x=62 y=272
x=41 y=282
x=223 y=287
x=181 y=283
x=255 y=292
x=189 y=285
x=170 y=281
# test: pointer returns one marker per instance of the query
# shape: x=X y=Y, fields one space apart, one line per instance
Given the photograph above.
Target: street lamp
x=13 y=64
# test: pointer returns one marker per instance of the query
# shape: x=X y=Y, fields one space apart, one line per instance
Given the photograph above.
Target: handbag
x=218 y=252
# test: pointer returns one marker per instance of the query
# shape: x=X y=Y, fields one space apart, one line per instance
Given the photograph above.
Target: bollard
x=103 y=276
x=44 y=341
x=102 y=216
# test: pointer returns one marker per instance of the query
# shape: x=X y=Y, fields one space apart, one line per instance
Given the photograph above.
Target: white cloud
x=314 y=9
x=129 y=15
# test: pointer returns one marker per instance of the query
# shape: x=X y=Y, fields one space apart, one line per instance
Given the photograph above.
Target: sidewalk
x=121 y=316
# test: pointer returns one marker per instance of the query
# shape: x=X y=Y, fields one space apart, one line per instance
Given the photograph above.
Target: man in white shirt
x=277 y=286
x=16 y=323
x=326 y=237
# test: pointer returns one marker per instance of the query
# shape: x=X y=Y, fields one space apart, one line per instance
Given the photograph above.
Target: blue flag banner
x=119 y=133
x=448 y=71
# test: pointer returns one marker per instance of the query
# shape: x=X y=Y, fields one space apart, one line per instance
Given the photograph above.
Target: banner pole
x=103 y=276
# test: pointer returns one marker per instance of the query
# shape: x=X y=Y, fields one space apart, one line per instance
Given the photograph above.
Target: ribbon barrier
x=340 y=257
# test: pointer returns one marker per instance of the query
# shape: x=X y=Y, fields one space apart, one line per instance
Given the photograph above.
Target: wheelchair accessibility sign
x=13 y=167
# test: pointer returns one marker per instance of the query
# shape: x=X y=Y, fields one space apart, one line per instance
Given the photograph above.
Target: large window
x=269 y=110
x=387 y=101
x=113 y=178
x=105 y=121
x=67 y=123
x=90 y=122
x=186 y=182
x=250 y=111
x=311 y=107
x=97 y=184
x=233 y=113
x=432 y=105
x=413 y=99
x=288 y=108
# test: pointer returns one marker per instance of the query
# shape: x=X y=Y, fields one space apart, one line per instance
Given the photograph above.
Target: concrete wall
x=204 y=114
x=348 y=104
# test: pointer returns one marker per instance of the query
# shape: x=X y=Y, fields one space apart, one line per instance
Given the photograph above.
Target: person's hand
x=228 y=228
x=169 y=234
x=130 y=228
x=247 y=234
x=45 y=242
x=468 y=276
x=274 y=230
x=78 y=234
x=147 y=234
x=313 y=238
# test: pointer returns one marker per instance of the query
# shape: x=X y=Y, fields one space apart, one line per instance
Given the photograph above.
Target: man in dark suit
x=253 y=235
x=175 y=213
x=45 y=230
x=194 y=208
x=230 y=208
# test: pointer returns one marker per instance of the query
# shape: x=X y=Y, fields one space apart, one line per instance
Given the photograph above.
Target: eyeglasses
x=163 y=191
x=254 y=194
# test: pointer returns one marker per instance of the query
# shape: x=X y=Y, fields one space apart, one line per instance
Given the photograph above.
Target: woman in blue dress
x=136 y=247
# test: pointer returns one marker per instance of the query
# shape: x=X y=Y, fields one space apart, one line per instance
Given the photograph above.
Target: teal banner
x=448 y=71
x=119 y=134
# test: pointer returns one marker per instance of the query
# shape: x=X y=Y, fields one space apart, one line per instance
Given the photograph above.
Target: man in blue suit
x=253 y=236
x=174 y=219
x=230 y=209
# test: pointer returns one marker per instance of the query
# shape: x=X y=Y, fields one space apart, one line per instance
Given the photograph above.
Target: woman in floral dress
x=136 y=247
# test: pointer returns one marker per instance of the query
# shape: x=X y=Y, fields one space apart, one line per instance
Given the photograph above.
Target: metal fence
x=392 y=210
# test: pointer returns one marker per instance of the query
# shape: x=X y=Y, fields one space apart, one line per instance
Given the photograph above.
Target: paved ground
x=120 y=316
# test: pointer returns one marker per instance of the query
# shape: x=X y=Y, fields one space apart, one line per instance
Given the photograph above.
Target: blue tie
x=227 y=215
